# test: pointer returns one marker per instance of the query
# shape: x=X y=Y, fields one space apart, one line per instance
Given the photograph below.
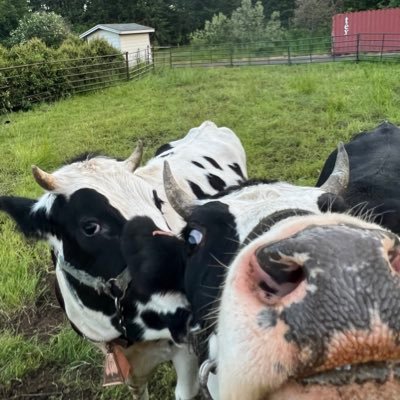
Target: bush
x=47 y=26
x=246 y=25
x=36 y=72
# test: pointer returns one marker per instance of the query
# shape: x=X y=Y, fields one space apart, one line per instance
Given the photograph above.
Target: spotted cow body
x=101 y=216
x=288 y=295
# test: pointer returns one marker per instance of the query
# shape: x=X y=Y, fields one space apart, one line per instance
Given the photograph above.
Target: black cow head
x=100 y=218
x=217 y=227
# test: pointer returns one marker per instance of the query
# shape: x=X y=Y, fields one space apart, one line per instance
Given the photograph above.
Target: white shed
x=133 y=39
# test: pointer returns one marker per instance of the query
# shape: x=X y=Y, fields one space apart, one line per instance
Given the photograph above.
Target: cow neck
x=115 y=288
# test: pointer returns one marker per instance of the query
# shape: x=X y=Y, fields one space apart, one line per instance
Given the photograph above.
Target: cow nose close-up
x=346 y=255
x=280 y=273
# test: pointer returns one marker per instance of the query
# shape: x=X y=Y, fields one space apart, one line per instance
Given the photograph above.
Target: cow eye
x=91 y=228
x=194 y=239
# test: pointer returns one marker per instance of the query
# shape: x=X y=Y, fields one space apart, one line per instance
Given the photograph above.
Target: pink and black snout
x=310 y=310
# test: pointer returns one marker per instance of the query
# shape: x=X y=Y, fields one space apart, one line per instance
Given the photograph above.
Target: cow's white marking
x=95 y=325
x=44 y=203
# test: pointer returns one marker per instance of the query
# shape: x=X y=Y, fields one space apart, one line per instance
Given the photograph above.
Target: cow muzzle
x=305 y=304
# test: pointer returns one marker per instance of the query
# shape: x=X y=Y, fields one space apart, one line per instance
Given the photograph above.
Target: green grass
x=288 y=118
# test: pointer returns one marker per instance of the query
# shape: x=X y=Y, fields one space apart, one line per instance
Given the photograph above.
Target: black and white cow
x=266 y=278
x=100 y=216
x=374 y=172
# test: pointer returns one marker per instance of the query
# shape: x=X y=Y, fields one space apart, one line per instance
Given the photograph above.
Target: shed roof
x=121 y=29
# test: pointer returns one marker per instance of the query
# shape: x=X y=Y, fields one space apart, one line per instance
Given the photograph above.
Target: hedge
x=32 y=72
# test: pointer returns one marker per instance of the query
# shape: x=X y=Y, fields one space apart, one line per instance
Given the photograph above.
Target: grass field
x=288 y=118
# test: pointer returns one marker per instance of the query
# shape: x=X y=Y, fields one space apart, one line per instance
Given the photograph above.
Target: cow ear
x=30 y=223
x=329 y=202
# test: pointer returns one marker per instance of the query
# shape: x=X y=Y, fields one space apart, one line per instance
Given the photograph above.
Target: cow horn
x=339 y=178
x=133 y=161
x=45 y=180
x=178 y=198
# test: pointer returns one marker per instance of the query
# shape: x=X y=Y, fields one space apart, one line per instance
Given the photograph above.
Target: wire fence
x=23 y=85
x=383 y=46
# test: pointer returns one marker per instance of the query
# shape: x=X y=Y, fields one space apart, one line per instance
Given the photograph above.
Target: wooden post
x=127 y=65
x=383 y=45
x=358 y=48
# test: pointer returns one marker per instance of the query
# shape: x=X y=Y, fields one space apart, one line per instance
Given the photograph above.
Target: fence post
x=288 y=54
x=231 y=55
x=358 y=48
x=127 y=65
x=382 y=46
x=170 y=57
x=191 y=56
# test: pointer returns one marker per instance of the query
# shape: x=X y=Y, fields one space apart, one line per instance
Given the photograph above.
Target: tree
x=247 y=22
x=218 y=30
x=11 y=11
x=313 y=15
x=273 y=29
x=284 y=7
x=47 y=26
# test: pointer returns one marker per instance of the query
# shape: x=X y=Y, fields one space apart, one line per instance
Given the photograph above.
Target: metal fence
x=313 y=50
x=23 y=85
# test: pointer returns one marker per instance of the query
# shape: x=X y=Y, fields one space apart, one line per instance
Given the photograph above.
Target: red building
x=366 y=31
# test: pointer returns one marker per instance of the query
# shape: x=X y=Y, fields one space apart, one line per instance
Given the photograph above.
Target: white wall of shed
x=111 y=37
x=136 y=45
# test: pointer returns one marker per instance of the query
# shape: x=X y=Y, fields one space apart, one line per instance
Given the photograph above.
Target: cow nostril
x=394 y=258
x=279 y=274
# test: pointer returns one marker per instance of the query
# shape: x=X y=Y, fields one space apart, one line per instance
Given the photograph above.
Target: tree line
x=175 y=21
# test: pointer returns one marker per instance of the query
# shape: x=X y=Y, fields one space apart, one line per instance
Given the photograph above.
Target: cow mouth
x=378 y=372
x=374 y=380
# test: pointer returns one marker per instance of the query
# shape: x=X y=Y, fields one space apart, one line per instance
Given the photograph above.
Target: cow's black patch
x=156 y=262
x=235 y=167
x=167 y=154
x=198 y=191
x=374 y=170
x=213 y=162
x=329 y=202
x=239 y=186
x=152 y=320
x=197 y=164
x=206 y=266
x=270 y=220
x=35 y=225
x=163 y=149
x=216 y=182
x=157 y=201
